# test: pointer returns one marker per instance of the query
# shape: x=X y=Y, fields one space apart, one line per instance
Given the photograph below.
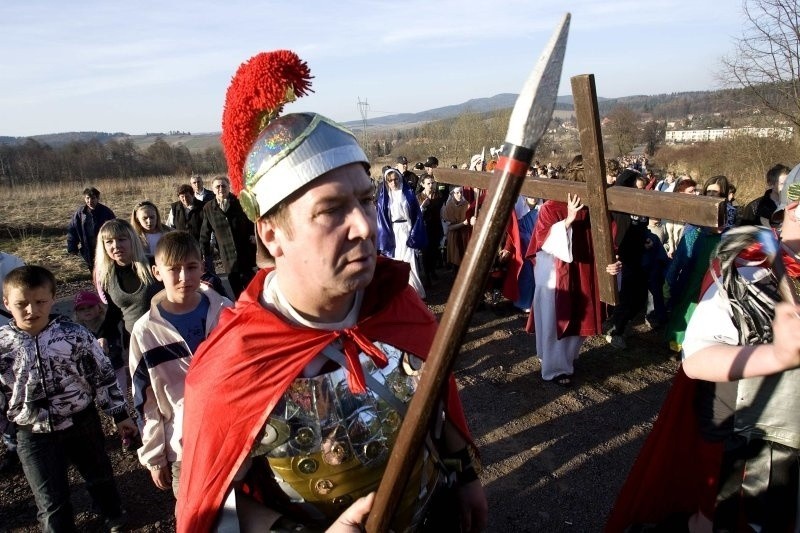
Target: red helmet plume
x=256 y=95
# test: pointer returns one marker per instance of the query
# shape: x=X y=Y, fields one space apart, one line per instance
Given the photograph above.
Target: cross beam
x=697 y=210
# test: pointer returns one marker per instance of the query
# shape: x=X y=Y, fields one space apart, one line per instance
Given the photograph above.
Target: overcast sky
x=139 y=67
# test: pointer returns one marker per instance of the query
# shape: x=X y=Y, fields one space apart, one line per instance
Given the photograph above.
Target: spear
x=529 y=119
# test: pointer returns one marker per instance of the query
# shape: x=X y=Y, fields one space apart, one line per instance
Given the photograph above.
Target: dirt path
x=553 y=458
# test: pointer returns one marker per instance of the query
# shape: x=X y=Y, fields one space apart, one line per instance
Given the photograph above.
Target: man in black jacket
x=431 y=202
x=85 y=225
x=235 y=235
x=410 y=177
x=187 y=213
x=200 y=192
x=759 y=211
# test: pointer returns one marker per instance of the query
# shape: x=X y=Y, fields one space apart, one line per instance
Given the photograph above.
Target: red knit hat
x=86 y=299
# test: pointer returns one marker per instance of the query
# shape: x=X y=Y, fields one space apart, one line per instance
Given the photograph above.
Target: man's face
x=221 y=189
x=186 y=200
x=427 y=186
x=330 y=250
x=30 y=307
x=91 y=200
x=197 y=184
x=181 y=280
x=402 y=167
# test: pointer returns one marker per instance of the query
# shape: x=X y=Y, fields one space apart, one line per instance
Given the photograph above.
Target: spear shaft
x=529 y=119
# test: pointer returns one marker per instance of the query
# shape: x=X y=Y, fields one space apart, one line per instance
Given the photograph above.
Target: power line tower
x=363 y=108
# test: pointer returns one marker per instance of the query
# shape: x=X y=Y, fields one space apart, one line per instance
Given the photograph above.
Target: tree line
x=35 y=162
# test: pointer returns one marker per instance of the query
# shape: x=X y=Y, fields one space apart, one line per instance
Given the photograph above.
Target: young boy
x=162 y=343
x=51 y=372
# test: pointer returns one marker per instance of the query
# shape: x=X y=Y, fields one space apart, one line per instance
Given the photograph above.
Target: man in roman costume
x=294 y=402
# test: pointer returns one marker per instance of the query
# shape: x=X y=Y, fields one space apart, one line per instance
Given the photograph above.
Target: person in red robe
x=326 y=331
x=566 y=303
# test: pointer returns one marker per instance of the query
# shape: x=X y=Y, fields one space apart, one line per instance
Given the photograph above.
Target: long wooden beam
x=697 y=210
x=587 y=113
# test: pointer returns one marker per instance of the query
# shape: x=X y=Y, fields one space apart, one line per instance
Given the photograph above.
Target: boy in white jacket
x=163 y=341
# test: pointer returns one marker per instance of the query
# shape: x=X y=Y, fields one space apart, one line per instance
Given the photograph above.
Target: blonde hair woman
x=122 y=272
x=146 y=222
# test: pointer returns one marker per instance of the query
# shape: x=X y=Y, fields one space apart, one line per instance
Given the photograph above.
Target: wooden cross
x=697 y=210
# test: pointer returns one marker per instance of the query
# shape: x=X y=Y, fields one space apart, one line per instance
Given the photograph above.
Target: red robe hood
x=240 y=373
x=578 y=307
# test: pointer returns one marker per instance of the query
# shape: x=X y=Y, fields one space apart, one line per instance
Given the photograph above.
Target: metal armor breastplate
x=327 y=446
x=767 y=408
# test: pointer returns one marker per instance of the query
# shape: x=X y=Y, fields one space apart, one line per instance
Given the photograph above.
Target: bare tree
x=653 y=136
x=766 y=60
x=622 y=129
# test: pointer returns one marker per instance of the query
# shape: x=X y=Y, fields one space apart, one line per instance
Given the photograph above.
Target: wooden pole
x=467 y=290
x=698 y=210
x=584 y=96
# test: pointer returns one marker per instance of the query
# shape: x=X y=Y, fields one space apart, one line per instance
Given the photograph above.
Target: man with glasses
x=234 y=232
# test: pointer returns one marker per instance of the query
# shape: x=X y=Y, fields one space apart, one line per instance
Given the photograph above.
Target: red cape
x=578 y=308
x=677 y=469
x=241 y=371
x=515 y=261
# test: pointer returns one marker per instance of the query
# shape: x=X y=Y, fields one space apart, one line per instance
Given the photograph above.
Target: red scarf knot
x=353 y=343
x=755 y=254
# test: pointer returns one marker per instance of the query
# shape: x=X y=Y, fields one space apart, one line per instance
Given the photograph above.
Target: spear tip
x=536 y=101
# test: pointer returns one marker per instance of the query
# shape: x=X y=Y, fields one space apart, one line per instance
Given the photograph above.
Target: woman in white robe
x=398 y=212
x=557 y=355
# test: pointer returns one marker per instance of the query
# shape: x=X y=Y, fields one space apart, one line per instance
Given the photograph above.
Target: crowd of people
x=281 y=410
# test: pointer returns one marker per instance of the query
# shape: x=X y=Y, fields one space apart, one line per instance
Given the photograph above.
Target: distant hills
x=664 y=106
x=198 y=142
x=59 y=139
x=476 y=105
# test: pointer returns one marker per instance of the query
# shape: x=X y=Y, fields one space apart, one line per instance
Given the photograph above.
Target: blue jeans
x=45 y=458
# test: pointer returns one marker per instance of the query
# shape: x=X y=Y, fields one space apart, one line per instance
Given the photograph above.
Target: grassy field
x=34 y=219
